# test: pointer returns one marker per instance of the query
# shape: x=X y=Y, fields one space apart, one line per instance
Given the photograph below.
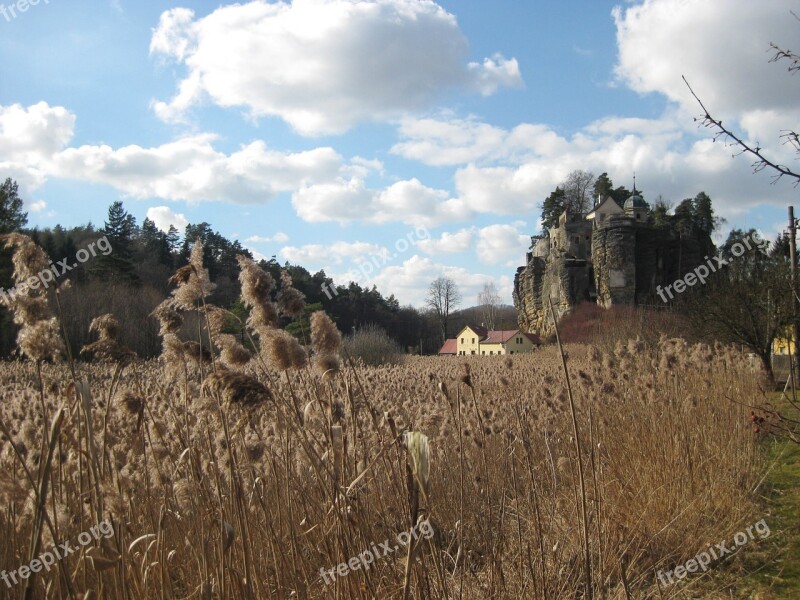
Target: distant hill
x=505 y=318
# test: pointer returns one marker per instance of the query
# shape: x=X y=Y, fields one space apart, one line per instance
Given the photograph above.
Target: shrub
x=373 y=346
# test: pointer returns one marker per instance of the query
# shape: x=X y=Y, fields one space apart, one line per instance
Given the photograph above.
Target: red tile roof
x=502 y=336
x=450 y=347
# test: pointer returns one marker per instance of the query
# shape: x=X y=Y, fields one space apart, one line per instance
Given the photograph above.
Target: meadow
x=252 y=466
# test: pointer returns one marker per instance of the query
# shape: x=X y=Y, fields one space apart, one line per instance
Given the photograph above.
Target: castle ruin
x=612 y=256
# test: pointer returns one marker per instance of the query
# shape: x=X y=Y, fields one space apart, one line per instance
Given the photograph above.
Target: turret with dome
x=636 y=206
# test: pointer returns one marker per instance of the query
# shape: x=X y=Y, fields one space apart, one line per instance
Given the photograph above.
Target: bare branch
x=780 y=54
x=761 y=162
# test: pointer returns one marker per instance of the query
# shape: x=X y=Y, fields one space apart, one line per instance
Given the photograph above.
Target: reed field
x=252 y=467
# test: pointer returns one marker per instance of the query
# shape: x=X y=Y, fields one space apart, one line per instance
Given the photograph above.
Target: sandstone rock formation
x=612 y=259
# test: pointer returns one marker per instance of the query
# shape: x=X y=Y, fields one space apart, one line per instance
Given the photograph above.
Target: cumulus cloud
x=660 y=41
x=37 y=206
x=448 y=243
x=448 y=140
x=335 y=253
x=29 y=136
x=407 y=201
x=164 y=216
x=721 y=47
x=501 y=244
x=322 y=65
x=510 y=172
x=279 y=237
x=410 y=280
x=192 y=169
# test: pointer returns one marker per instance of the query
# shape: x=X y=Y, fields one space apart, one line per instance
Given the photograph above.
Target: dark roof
x=501 y=336
x=479 y=329
x=533 y=337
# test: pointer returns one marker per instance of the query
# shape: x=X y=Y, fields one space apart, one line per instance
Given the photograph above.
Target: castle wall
x=614 y=259
x=623 y=263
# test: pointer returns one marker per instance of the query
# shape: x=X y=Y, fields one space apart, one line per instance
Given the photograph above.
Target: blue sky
x=417 y=136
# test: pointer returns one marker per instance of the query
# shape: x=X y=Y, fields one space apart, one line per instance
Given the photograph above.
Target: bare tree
x=578 y=188
x=747 y=302
x=488 y=302
x=443 y=297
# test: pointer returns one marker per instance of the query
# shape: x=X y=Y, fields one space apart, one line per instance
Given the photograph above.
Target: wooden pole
x=795 y=324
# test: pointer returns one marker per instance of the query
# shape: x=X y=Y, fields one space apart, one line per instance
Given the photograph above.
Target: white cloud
x=29 y=137
x=323 y=65
x=448 y=243
x=501 y=244
x=279 y=237
x=34 y=146
x=191 y=169
x=410 y=280
x=448 y=140
x=335 y=253
x=660 y=41
x=721 y=47
x=164 y=216
x=408 y=202
x=37 y=206
x=510 y=172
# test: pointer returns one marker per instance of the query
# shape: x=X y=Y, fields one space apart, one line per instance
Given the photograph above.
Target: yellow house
x=474 y=340
x=508 y=341
x=783 y=345
x=469 y=340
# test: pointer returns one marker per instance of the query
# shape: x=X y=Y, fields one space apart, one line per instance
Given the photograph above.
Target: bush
x=589 y=323
x=373 y=346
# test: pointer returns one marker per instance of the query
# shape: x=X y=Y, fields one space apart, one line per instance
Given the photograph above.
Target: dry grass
x=244 y=481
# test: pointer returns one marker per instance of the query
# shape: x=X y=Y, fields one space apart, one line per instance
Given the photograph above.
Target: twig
x=762 y=161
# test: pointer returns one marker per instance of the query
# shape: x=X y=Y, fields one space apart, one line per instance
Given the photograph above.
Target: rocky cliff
x=620 y=261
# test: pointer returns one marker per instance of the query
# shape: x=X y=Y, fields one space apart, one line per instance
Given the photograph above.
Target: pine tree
x=552 y=207
x=683 y=218
x=660 y=214
x=603 y=187
x=12 y=218
x=173 y=239
x=119 y=229
x=704 y=219
x=154 y=244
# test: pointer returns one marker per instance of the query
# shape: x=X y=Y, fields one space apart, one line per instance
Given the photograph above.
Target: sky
x=389 y=142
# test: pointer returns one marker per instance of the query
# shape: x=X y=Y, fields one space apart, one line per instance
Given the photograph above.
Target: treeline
x=132 y=279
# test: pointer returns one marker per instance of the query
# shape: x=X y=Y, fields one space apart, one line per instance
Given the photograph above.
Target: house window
x=462 y=340
x=484 y=352
x=473 y=352
x=491 y=351
x=473 y=340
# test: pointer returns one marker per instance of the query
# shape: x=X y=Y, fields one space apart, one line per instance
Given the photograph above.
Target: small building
x=604 y=210
x=509 y=341
x=475 y=340
x=469 y=339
